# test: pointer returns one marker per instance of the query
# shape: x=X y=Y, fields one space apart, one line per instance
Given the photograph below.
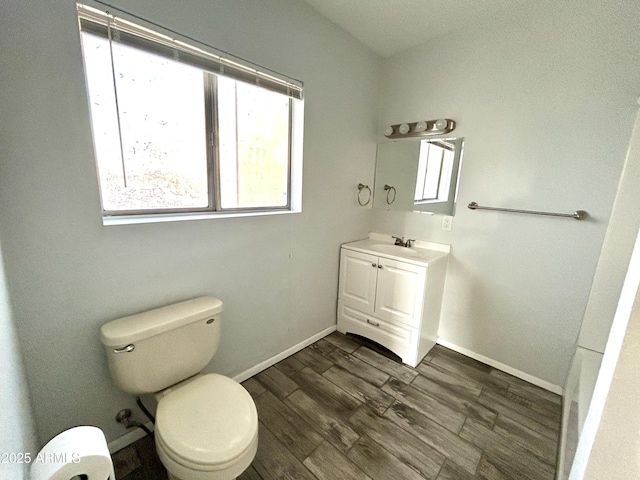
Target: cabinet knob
x=379 y=266
x=374 y=265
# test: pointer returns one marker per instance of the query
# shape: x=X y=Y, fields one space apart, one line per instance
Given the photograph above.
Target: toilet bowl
x=206 y=424
x=195 y=444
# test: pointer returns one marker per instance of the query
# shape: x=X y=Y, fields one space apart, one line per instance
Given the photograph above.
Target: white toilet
x=206 y=424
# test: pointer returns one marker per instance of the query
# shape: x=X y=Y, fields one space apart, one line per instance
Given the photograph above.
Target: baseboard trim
x=128 y=438
x=241 y=377
x=501 y=366
x=135 y=435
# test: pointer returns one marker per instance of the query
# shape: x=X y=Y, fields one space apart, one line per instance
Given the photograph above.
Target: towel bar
x=578 y=214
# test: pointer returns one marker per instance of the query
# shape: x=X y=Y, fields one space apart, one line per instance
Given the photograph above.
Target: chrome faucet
x=400 y=241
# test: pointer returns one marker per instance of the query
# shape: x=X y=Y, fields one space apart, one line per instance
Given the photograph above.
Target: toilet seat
x=208 y=424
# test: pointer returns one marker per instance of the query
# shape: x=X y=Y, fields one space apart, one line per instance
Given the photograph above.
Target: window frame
x=217 y=176
x=442 y=187
x=214 y=208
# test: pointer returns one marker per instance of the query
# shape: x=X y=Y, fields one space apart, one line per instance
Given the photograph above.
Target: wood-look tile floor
x=339 y=409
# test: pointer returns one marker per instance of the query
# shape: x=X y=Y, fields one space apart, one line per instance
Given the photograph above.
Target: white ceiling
x=391 y=26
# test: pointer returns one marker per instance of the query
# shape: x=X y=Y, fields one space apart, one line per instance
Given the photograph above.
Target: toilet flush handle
x=128 y=348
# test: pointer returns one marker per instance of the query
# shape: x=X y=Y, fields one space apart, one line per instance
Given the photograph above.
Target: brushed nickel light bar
x=423 y=128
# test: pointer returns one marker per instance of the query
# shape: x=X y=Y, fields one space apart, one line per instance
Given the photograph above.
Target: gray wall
x=17 y=433
x=616 y=252
x=546 y=98
x=611 y=326
x=609 y=442
x=68 y=274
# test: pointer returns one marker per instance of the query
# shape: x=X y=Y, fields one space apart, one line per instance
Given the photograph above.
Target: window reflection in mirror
x=423 y=173
x=435 y=163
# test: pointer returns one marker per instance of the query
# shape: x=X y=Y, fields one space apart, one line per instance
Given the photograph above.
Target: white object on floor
x=74 y=452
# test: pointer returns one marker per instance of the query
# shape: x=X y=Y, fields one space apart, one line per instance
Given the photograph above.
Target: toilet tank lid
x=153 y=322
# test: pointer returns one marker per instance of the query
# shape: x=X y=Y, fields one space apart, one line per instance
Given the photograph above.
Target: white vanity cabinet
x=392 y=297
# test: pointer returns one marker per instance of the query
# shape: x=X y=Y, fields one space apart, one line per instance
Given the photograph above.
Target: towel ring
x=361 y=187
x=389 y=188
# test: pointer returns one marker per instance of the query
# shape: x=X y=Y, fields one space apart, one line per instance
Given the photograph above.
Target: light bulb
x=441 y=124
x=404 y=129
x=420 y=127
x=388 y=131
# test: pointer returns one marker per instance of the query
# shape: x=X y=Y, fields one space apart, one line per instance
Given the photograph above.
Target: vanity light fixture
x=441 y=124
x=420 y=129
x=421 y=126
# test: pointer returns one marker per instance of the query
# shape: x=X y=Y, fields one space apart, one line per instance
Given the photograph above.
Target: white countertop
x=421 y=253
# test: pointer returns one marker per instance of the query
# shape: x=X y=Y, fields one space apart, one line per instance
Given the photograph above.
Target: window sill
x=181 y=217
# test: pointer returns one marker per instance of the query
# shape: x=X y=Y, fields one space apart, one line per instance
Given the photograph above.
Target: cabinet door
x=400 y=292
x=358 y=273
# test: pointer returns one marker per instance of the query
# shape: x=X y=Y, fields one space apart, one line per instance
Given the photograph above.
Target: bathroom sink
x=393 y=250
x=420 y=253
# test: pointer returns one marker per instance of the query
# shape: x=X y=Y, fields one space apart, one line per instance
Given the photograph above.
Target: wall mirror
x=417 y=175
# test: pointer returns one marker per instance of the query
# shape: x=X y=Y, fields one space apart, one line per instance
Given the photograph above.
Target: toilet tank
x=150 y=351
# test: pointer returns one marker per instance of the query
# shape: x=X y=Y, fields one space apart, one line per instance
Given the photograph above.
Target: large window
x=179 y=129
